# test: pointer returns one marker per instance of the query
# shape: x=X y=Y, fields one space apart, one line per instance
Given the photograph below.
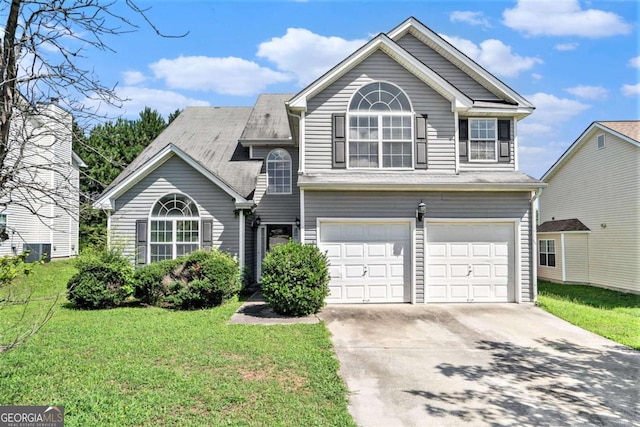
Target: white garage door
x=470 y=262
x=369 y=262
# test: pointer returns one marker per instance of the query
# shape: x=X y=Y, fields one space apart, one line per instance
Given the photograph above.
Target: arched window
x=175 y=227
x=380 y=127
x=279 y=172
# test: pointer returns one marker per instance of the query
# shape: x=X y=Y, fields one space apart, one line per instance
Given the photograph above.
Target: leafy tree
x=108 y=149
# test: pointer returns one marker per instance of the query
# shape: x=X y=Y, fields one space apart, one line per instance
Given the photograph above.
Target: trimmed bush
x=104 y=279
x=295 y=279
x=197 y=280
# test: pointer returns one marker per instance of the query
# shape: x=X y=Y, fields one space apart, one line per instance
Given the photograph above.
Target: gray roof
x=419 y=179
x=209 y=135
x=268 y=120
x=560 y=225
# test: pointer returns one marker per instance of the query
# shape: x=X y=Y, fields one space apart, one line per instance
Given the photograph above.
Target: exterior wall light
x=256 y=222
x=422 y=210
x=297 y=222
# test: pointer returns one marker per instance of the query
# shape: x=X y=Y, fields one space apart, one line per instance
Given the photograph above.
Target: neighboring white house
x=46 y=221
x=590 y=211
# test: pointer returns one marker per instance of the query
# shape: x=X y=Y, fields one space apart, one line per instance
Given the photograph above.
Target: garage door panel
x=370 y=262
x=471 y=262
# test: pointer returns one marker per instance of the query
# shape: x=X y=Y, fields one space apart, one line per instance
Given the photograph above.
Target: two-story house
x=400 y=162
x=39 y=207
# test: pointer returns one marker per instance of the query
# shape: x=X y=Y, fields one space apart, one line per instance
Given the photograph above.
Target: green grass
x=149 y=366
x=611 y=314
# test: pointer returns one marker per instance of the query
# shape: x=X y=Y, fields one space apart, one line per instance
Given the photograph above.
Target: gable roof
x=206 y=138
x=385 y=44
x=515 y=103
x=562 y=225
x=268 y=121
x=423 y=33
x=626 y=130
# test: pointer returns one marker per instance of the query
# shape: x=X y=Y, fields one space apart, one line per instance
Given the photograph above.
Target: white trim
x=515 y=146
x=302 y=139
x=381 y=42
x=517 y=267
x=416 y=185
x=411 y=222
x=495 y=140
x=533 y=246
x=302 y=217
x=412 y=25
x=565 y=232
x=562 y=258
x=251 y=152
x=241 y=237
x=107 y=199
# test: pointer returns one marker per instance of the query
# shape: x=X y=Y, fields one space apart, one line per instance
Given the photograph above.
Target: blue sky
x=577 y=61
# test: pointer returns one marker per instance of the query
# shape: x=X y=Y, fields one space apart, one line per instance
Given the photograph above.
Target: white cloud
x=137 y=98
x=228 y=76
x=133 y=77
x=535 y=160
x=305 y=54
x=552 y=111
x=631 y=90
x=536 y=76
x=494 y=55
x=588 y=92
x=563 y=47
x=473 y=18
x=563 y=18
x=635 y=62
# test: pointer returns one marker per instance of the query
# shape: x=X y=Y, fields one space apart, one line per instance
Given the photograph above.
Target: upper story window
x=175 y=227
x=380 y=128
x=279 y=172
x=482 y=140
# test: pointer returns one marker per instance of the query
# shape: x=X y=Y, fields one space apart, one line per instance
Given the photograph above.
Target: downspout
x=241 y=237
x=301 y=165
x=534 y=244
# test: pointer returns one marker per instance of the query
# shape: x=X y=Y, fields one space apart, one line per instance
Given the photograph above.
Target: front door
x=278 y=234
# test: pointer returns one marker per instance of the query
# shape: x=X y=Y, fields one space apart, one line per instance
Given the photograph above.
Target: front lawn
x=150 y=366
x=614 y=315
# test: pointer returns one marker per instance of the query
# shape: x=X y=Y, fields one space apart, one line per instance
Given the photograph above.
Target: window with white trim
x=279 y=172
x=483 y=140
x=175 y=227
x=547 y=249
x=380 y=128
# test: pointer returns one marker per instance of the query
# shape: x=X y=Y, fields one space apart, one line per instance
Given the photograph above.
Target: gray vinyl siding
x=379 y=67
x=277 y=208
x=480 y=205
x=602 y=186
x=175 y=175
x=454 y=75
x=510 y=165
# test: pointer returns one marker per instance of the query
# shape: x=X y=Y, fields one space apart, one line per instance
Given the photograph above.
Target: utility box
x=37 y=251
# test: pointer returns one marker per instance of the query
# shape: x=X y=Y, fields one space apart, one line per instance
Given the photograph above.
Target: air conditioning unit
x=37 y=251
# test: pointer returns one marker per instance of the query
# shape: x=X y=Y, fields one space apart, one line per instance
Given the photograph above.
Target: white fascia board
x=418 y=29
x=481 y=187
x=518 y=112
x=106 y=201
x=566 y=232
x=412 y=64
x=78 y=160
x=268 y=142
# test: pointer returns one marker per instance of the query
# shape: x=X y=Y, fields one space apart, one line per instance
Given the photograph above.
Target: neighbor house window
x=175 y=227
x=380 y=128
x=548 y=253
x=482 y=140
x=279 y=172
x=600 y=141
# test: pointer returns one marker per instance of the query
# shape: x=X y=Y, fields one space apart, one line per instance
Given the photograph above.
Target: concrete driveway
x=480 y=364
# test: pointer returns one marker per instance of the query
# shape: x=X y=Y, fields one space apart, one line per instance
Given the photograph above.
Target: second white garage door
x=470 y=262
x=369 y=262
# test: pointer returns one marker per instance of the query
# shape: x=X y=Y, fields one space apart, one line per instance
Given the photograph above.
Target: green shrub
x=104 y=279
x=295 y=279
x=197 y=280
